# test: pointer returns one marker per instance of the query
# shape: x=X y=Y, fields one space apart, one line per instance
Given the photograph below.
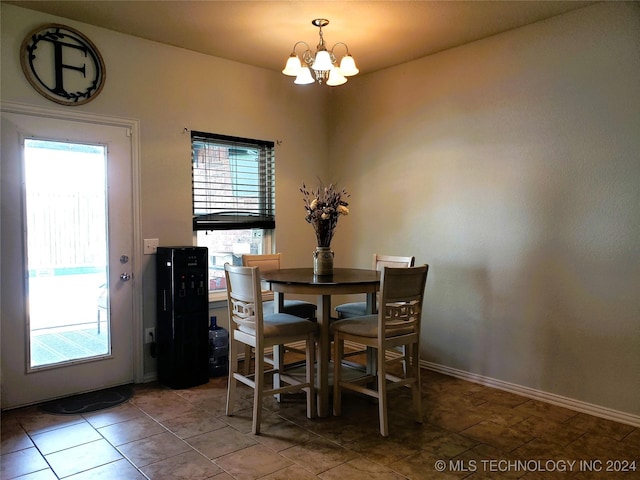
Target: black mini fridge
x=182 y=328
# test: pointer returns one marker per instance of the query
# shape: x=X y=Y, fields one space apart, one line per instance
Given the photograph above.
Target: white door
x=68 y=266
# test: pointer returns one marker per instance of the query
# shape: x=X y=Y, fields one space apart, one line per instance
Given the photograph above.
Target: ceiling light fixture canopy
x=323 y=63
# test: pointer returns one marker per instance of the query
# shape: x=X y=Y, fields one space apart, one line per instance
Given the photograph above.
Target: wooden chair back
x=267 y=262
x=402 y=294
x=381 y=261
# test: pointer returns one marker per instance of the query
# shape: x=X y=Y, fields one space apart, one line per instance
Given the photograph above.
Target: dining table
x=303 y=281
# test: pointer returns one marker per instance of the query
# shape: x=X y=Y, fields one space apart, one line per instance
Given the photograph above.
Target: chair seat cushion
x=283 y=324
x=355 y=309
x=297 y=308
x=366 y=326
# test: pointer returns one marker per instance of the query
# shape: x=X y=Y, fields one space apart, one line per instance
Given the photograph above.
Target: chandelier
x=323 y=62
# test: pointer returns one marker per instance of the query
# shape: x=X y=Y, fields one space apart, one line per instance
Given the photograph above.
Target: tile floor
x=475 y=431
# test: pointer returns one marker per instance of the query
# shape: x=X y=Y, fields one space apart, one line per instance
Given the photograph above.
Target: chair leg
x=338 y=350
x=406 y=356
x=247 y=360
x=233 y=368
x=311 y=377
x=382 y=393
x=258 y=391
x=278 y=365
x=416 y=387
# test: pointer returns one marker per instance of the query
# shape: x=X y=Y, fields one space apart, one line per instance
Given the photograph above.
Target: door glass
x=66 y=212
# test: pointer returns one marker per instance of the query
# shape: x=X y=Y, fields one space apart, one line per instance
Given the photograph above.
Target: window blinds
x=233 y=182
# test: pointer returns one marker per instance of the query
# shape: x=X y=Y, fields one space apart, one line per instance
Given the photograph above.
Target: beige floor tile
x=361 y=469
x=190 y=465
x=500 y=436
x=501 y=397
x=40 y=422
x=121 y=413
x=242 y=420
x=221 y=442
x=120 y=469
x=605 y=448
x=153 y=449
x=499 y=414
x=283 y=434
x=546 y=410
x=633 y=439
x=318 y=456
x=165 y=406
x=452 y=418
x=175 y=434
x=22 y=462
x=600 y=426
x=549 y=430
x=384 y=451
x=448 y=446
x=294 y=472
x=203 y=393
x=130 y=430
x=452 y=388
x=539 y=448
x=343 y=430
x=222 y=476
x=40 y=475
x=84 y=457
x=66 y=437
x=193 y=424
x=14 y=438
x=253 y=462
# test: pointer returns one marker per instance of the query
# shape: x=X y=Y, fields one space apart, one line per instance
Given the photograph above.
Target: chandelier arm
x=340 y=43
x=301 y=42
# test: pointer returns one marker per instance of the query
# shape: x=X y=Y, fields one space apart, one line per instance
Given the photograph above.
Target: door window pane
x=66 y=232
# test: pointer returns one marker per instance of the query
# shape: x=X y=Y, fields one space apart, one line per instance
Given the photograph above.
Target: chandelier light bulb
x=293 y=66
x=322 y=61
x=304 y=77
x=348 y=66
x=336 y=77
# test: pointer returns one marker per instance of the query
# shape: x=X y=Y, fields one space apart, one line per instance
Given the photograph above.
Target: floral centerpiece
x=323 y=207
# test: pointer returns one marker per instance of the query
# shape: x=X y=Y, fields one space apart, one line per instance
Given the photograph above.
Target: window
x=233 y=182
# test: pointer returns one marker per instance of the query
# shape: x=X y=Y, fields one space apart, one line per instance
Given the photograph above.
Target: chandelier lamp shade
x=321 y=66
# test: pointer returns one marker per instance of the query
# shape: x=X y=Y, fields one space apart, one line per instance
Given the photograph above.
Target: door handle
x=125 y=277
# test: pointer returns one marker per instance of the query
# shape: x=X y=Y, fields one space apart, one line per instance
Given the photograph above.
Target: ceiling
x=262 y=33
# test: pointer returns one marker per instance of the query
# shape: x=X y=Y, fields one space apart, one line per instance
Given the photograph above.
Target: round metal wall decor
x=62 y=64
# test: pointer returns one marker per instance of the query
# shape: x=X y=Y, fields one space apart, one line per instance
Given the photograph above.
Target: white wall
x=512 y=166
x=168 y=89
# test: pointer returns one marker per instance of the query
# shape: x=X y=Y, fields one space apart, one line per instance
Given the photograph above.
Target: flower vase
x=323 y=261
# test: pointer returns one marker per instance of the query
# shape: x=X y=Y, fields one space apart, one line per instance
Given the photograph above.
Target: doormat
x=89 y=402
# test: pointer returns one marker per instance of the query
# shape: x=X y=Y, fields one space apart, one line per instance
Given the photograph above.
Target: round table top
x=305 y=276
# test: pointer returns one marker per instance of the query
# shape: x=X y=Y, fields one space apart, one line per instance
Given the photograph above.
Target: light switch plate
x=151 y=246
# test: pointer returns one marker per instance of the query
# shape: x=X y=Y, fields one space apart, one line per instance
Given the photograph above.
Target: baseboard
x=570 y=403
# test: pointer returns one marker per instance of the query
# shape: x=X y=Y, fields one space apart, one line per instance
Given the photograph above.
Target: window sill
x=217 y=299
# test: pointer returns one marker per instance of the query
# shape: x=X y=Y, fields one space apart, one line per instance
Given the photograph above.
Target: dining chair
x=397 y=324
x=358 y=309
x=268 y=262
x=248 y=325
